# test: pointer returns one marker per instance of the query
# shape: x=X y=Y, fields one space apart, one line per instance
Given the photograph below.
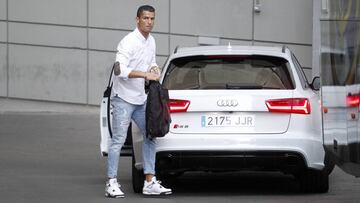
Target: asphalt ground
x=49 y=152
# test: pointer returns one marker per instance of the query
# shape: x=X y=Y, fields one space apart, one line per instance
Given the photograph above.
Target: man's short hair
x=144 y=8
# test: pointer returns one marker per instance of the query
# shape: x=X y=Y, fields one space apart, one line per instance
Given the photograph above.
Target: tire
x=167 y=179
x=137 y=177
x=314 y=181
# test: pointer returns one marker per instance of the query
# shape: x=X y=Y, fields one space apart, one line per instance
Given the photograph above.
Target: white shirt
x=135 y=52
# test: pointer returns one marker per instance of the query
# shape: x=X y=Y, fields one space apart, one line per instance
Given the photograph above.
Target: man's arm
x=145 y=75
x=136 y=74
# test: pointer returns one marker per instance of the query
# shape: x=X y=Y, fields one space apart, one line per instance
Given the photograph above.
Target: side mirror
x=315 y=84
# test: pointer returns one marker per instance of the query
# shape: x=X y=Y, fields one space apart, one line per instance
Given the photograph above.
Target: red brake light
x=178 y=105
x=353 y=100
x=290 y=105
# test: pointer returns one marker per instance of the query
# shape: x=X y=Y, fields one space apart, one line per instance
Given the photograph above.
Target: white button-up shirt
x=135 y=52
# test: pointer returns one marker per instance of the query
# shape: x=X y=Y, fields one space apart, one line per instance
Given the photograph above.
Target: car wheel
x=168 y=179
x=137 y=177
x=314 y=181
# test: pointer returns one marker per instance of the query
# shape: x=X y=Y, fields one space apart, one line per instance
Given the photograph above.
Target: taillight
x=289 y=105
x=353 y=100
x=178 y=105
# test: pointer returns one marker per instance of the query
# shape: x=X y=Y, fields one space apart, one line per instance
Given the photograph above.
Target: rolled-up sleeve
x=123 y=55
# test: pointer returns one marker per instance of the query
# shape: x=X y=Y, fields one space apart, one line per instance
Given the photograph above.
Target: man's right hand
x=152 y=76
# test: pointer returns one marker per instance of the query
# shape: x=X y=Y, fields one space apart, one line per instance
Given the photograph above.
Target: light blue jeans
x=123 y=112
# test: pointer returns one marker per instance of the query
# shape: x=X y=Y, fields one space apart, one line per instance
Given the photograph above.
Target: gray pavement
x=12 y=105
x=49 y=152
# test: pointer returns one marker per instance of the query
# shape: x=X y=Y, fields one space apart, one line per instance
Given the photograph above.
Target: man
x=136 y=57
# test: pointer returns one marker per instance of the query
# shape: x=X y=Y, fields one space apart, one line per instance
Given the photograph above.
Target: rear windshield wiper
x=242 y=86
x=194 y=87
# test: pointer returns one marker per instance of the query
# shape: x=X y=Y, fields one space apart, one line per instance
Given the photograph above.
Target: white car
x=238 y=108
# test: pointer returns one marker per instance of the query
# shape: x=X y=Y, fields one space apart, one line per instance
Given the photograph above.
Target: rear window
x=228 y=72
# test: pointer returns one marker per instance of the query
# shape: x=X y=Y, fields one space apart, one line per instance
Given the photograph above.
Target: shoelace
x=155 y=182
x=115 y=184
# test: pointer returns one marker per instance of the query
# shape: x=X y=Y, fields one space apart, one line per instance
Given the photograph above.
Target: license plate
x=227 y=121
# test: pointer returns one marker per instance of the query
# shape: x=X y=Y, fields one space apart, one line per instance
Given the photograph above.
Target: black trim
x=108 y=116
x=107 y=93
x=181 y=161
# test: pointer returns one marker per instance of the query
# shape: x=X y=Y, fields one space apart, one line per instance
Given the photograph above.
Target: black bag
x=157 y=111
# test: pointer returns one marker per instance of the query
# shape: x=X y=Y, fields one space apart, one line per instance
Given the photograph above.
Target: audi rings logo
x=227 y=102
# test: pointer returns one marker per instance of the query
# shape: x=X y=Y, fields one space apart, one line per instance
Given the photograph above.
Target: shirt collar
x=140 y=36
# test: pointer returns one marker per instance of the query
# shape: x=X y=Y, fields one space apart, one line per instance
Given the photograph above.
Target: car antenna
x=229 y=46
x=176 y=48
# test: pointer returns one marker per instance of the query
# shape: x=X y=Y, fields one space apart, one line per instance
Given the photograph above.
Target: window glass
x=228 y=72
x=300 y=72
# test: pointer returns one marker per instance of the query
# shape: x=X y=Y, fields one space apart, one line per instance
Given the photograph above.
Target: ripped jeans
x=123 y=112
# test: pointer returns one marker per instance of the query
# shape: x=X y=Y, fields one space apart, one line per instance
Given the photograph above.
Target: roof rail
x=176 y=48
x=284 y=47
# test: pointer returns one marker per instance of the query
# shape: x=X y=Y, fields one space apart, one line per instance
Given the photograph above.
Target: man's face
x=145 y=22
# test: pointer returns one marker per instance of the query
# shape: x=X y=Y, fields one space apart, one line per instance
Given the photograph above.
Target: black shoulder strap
x=107 y=92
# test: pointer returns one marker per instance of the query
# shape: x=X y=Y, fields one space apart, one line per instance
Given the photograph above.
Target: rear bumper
x=180 y=161
x=236 y=152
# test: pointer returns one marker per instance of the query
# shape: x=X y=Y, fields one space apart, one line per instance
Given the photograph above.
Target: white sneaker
x=112 y=189
x=154 y=188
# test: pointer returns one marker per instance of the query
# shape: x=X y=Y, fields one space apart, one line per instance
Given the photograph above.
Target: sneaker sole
x=158 y=194
x=113 y=196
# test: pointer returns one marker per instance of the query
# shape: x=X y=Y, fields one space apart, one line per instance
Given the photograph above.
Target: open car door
x=105 y=123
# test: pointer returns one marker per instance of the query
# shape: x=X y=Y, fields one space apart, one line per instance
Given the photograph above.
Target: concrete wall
x=3 y=49
x=62 y=50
